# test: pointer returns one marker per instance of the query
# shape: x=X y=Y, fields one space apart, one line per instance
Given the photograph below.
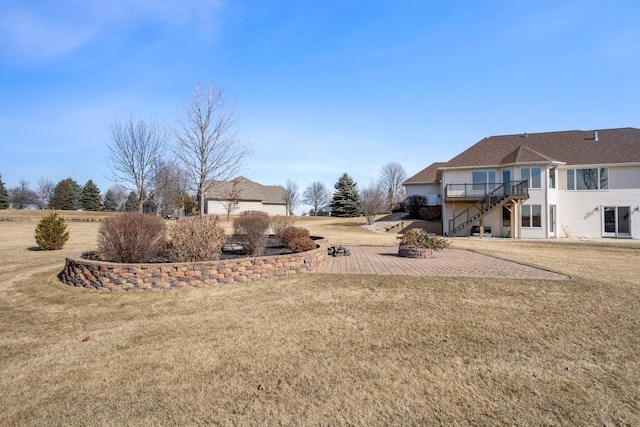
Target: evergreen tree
x=91 y=197
x=65 y=195
x=77 y=190
x=187 y=204
x=132 y=203
x=345 y=198
x=4 y=195
x=51 y=232
x=110 y=204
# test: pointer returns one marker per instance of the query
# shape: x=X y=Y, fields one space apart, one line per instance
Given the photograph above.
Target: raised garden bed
x=407 y=251
x=81 y=270
x=232 y=249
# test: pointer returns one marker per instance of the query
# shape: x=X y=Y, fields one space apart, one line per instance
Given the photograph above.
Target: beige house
x=242 y=195
x=540 y=185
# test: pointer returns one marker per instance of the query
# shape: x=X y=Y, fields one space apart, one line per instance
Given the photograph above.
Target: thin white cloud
x=28 y=34
x=42 y=30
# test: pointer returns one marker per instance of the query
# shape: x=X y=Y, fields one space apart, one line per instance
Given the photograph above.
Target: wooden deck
x=447 y=263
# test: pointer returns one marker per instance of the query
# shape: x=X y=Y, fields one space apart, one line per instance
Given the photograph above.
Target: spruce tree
x=65 y=195
x=110 y=204
x=345 y=198
x=131 y=204
x=51 y=233
x=187 y=204
x=91 y=197
x=4 y=195
x=77 y=190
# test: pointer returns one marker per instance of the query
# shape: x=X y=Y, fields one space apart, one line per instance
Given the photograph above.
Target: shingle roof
x=574 y=147
x=426 y=175
x=248 y=190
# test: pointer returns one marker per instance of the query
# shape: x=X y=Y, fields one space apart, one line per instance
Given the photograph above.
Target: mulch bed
x=272 y=247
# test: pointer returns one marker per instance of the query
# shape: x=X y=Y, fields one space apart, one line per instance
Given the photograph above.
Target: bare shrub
x=132 y=237
x=421 y=238
x=250 y=229
x=288 y=234
x=297 y=239
x=372 y=202
x=280 y=222
x=301 y=244
x=196 y=239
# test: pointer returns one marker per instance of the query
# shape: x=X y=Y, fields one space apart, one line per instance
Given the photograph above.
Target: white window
x=484 y=179
x=532 y=216
x=552 y=177
x=588 y=179
x=532 y=175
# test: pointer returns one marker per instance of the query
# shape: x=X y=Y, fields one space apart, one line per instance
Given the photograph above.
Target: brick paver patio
x=451 y=262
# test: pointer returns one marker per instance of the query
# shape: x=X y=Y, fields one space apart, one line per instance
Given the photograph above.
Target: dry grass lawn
x=323 y=349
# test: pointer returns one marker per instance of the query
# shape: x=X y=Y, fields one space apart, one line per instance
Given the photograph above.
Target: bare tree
x=292 y=198
x=392 y=175
x=45 y=192
x=316 y=195
x=120 y=194
x=136 y=146
x=170 y=183
x=372 y=201
x=231 y=201
x=22 y=196
x=208 y=146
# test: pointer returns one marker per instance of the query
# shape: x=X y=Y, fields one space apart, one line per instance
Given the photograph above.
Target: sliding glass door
x=616 y=221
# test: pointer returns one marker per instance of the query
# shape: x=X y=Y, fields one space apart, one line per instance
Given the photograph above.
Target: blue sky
x=320 y=87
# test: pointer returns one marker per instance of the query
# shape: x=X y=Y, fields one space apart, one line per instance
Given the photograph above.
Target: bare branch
x=292 y=198
x=372 y=201
x=316 y=195
x=207 y=145
x=392 y=175
x=23 y=196
x=136 y=145
x=45 y=192
x=169 y=185
x=120 y=193
x=231 y=198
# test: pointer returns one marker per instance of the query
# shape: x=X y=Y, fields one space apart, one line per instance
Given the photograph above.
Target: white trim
x=599 y=165
x=616 y=223
x=503 y=166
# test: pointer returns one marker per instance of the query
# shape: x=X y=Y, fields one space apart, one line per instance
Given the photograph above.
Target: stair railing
x=509 y=189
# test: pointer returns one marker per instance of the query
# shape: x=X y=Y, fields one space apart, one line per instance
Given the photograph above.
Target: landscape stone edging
x=87 y=273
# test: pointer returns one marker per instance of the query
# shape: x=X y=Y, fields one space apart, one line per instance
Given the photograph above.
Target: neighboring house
x=242 y=195
x=542 y=185
x=426 y=183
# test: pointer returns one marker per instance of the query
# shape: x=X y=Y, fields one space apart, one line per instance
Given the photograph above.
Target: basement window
x=506 y=217
x=532 y=216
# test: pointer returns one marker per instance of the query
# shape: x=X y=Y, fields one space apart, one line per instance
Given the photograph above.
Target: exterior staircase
x=495 y=196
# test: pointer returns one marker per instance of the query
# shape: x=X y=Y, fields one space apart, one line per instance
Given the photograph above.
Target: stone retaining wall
x=407 y=251
x=79 y=271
